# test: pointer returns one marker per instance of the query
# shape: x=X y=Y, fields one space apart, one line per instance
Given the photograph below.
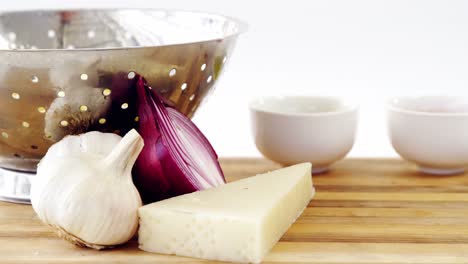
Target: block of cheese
x=239 y=221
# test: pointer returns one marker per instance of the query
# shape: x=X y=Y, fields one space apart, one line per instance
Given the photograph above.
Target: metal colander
x=66 y=72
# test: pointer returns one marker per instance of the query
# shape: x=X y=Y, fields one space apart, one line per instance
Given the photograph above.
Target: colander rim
x=242 y=27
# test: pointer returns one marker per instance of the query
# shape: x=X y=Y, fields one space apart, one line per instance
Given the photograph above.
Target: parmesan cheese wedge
x=239 y=221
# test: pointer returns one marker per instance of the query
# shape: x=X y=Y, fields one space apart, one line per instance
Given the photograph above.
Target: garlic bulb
x=84 y=189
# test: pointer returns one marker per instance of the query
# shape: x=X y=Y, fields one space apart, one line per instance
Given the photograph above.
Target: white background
x=367 y=50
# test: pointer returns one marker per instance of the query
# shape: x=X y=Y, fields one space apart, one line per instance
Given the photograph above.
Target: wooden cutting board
x=365 y=211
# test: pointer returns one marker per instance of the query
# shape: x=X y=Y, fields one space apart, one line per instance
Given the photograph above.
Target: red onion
x=177 y=158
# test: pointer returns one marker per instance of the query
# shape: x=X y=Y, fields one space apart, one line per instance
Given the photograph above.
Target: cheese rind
x=240 y=221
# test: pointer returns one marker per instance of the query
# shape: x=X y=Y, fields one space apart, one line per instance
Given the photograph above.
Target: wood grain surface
x=365 y=211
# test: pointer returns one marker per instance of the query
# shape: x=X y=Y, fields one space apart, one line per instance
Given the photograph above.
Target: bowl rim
x=242 y=28
x=350 y=106
x=391 y=107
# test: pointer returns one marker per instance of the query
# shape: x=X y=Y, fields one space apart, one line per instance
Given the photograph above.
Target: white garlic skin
x=80 y=191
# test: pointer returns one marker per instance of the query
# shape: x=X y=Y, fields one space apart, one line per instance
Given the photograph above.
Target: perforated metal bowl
x=65 y=72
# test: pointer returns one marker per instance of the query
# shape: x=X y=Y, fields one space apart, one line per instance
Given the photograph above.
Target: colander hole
x=203 y=67
x=106 y=92
x=5 y=134
x=84 y=76
x=25 y=124
x=51 y=33
x=192 y=97
x=61 y=94
x=34 y=79
x=102 y=121
x=124 y=106
x=64 y=123
x=91 y=34
x=172 y=72
x=131 y=75
x=41 y=109
x=209 y=79
x=137 y=119
x=12 y=36
x=83 y=108
x=224 y=59
x=15 y=96
x=183 y=86
x=34 y=147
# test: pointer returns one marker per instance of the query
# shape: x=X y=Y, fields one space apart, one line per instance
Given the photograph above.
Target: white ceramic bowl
x=430 y=131
x=289 y=130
